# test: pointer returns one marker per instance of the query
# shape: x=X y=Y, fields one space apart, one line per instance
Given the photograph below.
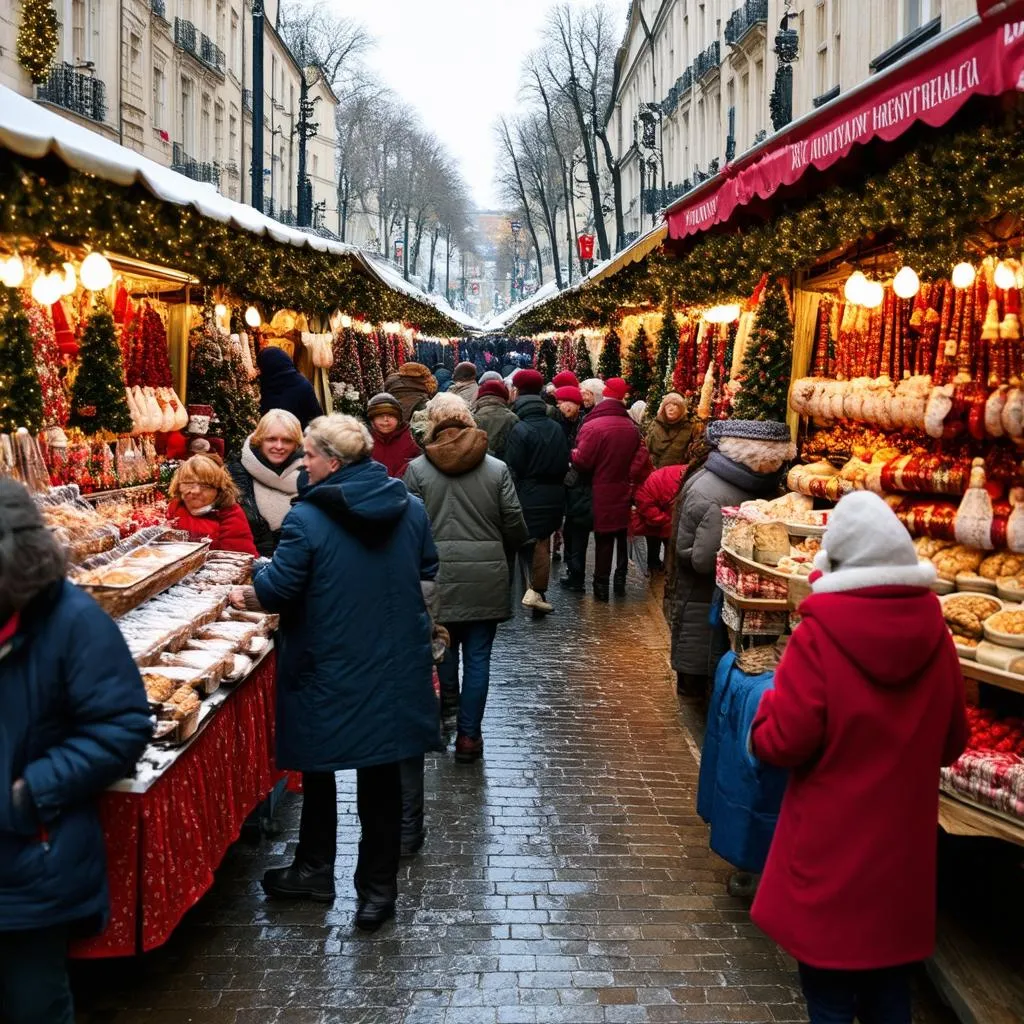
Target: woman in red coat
x=204 y=502
x=393 y=444
x=652 y=511
x=868 y=705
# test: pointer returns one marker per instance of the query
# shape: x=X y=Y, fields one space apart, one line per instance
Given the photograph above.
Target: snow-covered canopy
x=500 y=323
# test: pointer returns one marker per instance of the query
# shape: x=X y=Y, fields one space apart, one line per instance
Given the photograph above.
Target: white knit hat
x=865 y=545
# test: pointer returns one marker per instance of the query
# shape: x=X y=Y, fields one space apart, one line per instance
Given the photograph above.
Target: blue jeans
x=475 y=640
x=34 y=986
x=881 y=996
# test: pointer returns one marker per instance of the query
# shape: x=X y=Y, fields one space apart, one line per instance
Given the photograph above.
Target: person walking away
x=267 y=476
x=744 y=463
x=652 y=511
x=354 y=675
x=609 y=447
x=443 y=377
x=413 y=385
x=393 y=444
x=579 y=515
x=494 y=417
x=868 y=704
x=538 y=456
x=283 y=387
x=204 y=502
x=75 y=720
x=464 y=383
x=476 y=518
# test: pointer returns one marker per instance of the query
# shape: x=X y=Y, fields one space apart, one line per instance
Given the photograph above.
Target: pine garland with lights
x=369 y=361
x=38 y=38
x=21 y=396
x=768 y=361
x=610 y=363
x=98 y=401
x=668 y=343
x=584 y=364
x=48 y=365
x=640 y=375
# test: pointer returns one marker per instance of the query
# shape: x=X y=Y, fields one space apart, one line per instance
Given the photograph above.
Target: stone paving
x=567 y=878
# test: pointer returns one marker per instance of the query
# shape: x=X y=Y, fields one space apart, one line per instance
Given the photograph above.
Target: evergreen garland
x=610 y=363
x=369 y=361
x=21 y=397
x=584 y=364
x=547 y=359
x=98 y=400
x=37 y=38
x=48 y=365
x=668 y=344
x=641 y=373
x=767 y=363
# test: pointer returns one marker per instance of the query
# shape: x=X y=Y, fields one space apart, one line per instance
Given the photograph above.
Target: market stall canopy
x=503 y=321
x=978 y=58
x=33 y=131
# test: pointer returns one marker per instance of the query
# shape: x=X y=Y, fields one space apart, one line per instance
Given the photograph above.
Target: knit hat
x=464 y=371
x=566 y=379
x=490 y=375
x=637 y=411
x=383 y=403
x=528 y=382
x=595 y=386
x=569 y=393
x=749 y=430
x=616 y=387
x=493 y=387
x=865 y=545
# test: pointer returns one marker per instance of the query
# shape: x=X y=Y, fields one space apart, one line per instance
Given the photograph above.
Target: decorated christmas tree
x=48 y=363
x=547 y=359
x=584 y=366
x=640 y=375
x=149 y=363
x=767 y=363
x=98 y=400
x=346 y=369
x=38 y=36
x=389 y=344
x=668 y=344
x=369 y=361
x=21 y=397
x=610 y=363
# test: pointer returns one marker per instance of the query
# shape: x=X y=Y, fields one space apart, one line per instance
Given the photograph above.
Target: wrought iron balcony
x=192 y=168
x=211 y=54
x=707 y=61
x=159 y=8
x=81 y=94
x=185 y=36
x=743 y=19
x=247 y=100
x=683 y=85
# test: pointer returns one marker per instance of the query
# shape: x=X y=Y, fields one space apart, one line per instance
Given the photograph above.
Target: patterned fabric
x=750 y=430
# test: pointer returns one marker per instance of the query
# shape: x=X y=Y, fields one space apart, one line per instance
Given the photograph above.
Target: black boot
x=600 y=590
x=573 y=581
x=300 y=881
x=619 y=585
x=370 y=916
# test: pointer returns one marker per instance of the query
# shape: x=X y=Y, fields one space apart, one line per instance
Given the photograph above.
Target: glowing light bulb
x=252 y=317
x=963 y=275
x=854 y=289
x=48 y=288
x=1005 y=276
x=12 y=272
x=69 y=281
x=906 y=284
x=873 y=295
x=220 y=311
x=96 y=273
x=346 y=322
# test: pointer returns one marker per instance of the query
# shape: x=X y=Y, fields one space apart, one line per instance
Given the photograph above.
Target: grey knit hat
x=750 y=430
x=490 y=375
x=384 y=402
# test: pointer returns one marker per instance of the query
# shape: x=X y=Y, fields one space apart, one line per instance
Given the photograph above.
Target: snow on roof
x=498 y=324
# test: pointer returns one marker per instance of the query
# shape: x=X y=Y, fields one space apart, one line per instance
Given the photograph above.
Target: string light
x=12 y=272
x=906 y=284
x=346 y=322
x=96 y=272
x=47 y=288
x=963 y=275
x=723 y=314
x=872 y=295
x=854 y=288
x=1004 y=276
x=252 y=317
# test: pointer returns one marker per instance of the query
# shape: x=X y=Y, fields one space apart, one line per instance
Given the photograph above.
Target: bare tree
x=512 y=184
x=316 y=35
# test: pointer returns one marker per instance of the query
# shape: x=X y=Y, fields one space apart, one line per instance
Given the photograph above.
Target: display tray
x=960 y=817
x=805 y=530
x=992 y=676
x=769 y=570
x=755 y=604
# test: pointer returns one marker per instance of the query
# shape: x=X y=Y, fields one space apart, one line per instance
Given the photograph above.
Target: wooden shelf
x=756 y=604
x=992 y=676
x=960 y=818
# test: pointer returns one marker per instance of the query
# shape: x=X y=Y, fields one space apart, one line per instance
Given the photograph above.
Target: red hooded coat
x=652 y=516
x=227 y=527
x=868 y=704
x=396 y=450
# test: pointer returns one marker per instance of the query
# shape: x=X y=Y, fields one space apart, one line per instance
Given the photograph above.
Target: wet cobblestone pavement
x=567 y=878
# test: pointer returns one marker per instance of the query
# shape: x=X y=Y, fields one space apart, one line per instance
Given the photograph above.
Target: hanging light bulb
x=96 y=273
x=48 y=288
x=854 y=289
x=69 y=281
x=906 y=284
x=963 y=275
x=252 y=317
x=12 y=271
x=1005 y=276
x=873 y=294
x=220 y=311
x=346 y=322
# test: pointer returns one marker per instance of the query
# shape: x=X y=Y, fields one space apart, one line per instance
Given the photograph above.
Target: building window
x=837 y=43
x=159 y=99
x=316 y=164
x=218 y=133
x=232 y=137
x=204 y=128
x=233 y=52
x=135 y=55
x=222 y=26
x=916 y=14
x=186 y=119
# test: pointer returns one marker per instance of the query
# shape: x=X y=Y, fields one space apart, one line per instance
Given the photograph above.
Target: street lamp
x=516 y=226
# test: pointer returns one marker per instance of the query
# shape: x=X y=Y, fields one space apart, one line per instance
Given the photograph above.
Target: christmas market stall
x=134 y=303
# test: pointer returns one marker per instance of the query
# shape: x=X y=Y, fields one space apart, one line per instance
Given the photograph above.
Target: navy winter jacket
x=283 y=387
x=354 y=670
x=537 y=453
x=74 y=719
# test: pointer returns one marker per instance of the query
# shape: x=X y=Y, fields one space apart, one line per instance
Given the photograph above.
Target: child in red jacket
x=204 y=502
x=868 y=704
x=652 y=511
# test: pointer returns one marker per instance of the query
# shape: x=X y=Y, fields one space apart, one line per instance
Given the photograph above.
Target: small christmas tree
x=21 y=397
x=346 y=369
x=767 y=363
x=668 y=345
x=584 y=364
x=48 y=365
x=547 y=359
x=98 y=400
x=610 y=363
x=641 y=372
x=38 y=36
x=369 y=360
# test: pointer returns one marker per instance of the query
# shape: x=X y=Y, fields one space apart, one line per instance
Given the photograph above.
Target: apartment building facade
x=178 y=89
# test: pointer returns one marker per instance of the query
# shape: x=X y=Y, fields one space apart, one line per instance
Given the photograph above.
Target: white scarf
x=274 y=492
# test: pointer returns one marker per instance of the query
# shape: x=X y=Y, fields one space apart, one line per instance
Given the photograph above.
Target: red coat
x=610 y=448
x=868 y=704
x=652 y=516
x=396 y=450
x=227 y=526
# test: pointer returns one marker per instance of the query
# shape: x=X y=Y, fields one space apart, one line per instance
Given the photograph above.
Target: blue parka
x=73 y=720
x=738 y=796
x=354 y=671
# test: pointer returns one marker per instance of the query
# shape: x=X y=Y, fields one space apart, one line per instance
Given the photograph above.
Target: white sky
x=457 y=62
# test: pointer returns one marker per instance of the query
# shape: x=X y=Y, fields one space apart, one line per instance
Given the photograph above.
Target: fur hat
x=672 y=398
x=495 y=388
x=565 y=379
x=384 y=403
x=528 y=382
x=569 y=393
x=419 y=372
x=617 y=388
x=865 y=545
x=490 y=375
x=465 y=371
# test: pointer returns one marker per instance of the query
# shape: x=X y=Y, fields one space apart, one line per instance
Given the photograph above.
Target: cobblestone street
x=567 y=878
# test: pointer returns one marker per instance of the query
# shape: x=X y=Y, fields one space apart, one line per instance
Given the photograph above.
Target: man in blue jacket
x=74 y=720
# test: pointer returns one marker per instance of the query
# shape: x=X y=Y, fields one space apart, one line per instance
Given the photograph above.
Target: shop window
x=159 y=99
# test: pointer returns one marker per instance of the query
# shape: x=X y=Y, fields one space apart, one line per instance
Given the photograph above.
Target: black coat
x=537 y=453
x=283 y=387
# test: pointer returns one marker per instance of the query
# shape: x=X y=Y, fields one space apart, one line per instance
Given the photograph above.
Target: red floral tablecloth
x=164 y=845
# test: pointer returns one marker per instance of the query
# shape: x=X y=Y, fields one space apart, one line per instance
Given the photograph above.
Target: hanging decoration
x=48 y=362
x=21 y=397
x=98 y=401
x=766 y=368
x=547 y=359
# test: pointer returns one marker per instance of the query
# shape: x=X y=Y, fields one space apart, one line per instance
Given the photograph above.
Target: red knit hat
x=528 y=382
x=566 y=379
x=616 y=387
x=493 y=387
x=569 y=393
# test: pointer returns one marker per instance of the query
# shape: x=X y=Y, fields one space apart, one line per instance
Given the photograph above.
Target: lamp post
x=256 y=170
x=305 y=129
x=516 y=227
